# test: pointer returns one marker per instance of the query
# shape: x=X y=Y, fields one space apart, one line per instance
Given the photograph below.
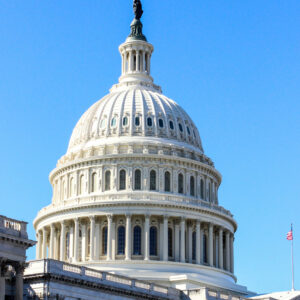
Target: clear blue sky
x=232 y=65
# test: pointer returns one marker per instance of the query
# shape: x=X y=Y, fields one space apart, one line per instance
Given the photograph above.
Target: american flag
x=289 y=235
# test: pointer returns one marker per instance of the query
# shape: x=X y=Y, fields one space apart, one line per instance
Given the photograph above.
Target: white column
x=165 y=240
x=44 y=251
x=210 y=245
x=137 y=55
x=92 y=241
x=148 y=63
x=83 y=242
x=182 y=240
x=51 y=246
x=113 y=241
x=177 y=258
x=227 y=252
x=63 y=241
x=97 y=237
x=143 y=61
x=128 y=238
x=76 y=239
x=147 y=236
x=109 y=221
x=19 y=282
x=198 y=251
x=38 y=246
x=231 y=254
x=130 y=65
x=190 y=245
x=71 y=243
x=221 y=248
x=55 y=246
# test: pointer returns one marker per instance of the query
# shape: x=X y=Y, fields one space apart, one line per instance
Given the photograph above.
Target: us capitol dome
x=135 y=194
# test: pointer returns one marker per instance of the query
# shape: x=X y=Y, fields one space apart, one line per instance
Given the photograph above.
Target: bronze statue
x=137 y=9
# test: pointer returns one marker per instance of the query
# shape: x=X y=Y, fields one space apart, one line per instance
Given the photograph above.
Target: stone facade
x=13 y=245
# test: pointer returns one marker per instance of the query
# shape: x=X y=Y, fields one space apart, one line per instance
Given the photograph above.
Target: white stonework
x=135 y=194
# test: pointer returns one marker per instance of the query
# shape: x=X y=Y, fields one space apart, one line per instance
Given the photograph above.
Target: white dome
x=134 y=112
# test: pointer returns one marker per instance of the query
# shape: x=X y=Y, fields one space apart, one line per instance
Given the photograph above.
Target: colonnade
x=19 y=269
x=135 y=61
x=135 y=237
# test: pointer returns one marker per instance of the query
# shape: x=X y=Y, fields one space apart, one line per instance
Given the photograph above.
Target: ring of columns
x=137 y=237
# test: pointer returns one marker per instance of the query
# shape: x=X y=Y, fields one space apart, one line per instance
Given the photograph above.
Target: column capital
x=76 y=220
x=92 y=218
x=109 y=217
x=52 y=227
x=198 y=222
x=63 y=223
x=147 y=216
x=182 y=219
x=166 y=216
x=128 y=215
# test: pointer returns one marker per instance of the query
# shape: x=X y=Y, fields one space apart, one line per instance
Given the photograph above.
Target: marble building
x=13 y=245
x=135 y=194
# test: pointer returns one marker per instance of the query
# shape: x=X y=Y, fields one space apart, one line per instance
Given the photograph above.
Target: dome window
x=171 y=125
x=113 y=122
x=102 y=124
x=137 y=121
x=149 y=122
x=194 y=133
x=188 y=130
x=161 y=123
x=180 y=127
x=125 y=121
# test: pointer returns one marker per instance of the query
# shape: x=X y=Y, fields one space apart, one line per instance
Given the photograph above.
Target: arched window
x=153 y=240
x=102 y=124
x=161 y=123
x=137 y=240
x=180 y=127
x=107 y=180
x=204 y=248
x=170 y=242
x=188 y=130
x=67 y=245
x=104 y=240
x=167 y=182
x=81 y=185
x=122 y=183
x=171 y=125
x=194 y=245
x=125 y=121
x=201 y=188
x=209 y=192
x=113 y=122
x=152 y=180
x=62 y=190
x=149 y=121
x=94 y=182
x=89 y=242
x=137 y=180
x=121 y=240
x=192 y=186
x=137 y=121
x=180 y=183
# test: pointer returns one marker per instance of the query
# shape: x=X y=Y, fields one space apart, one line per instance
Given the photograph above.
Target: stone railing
x=140 y=196
x=13 y=227
x=208 y=294
x=58 y=268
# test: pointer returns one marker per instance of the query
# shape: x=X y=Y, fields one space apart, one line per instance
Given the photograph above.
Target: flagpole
x=293 y=288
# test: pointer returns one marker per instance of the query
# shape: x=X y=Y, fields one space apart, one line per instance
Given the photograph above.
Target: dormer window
x=137 y=121
x=125 y=121
x=180 y=127
x=161 y=123
x=113 y=122
x=171 y=125
x=149 y=122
